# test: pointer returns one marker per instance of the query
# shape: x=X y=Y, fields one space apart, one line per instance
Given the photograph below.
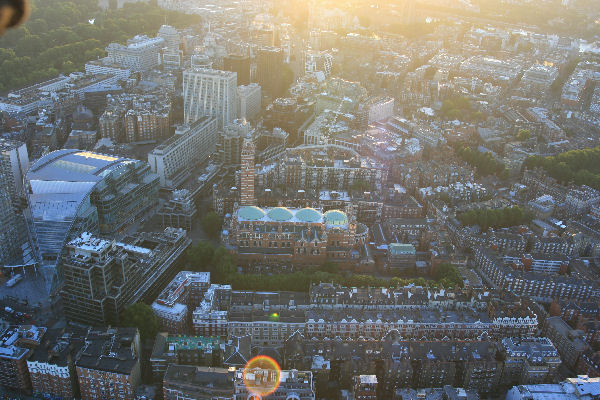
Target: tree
x=523 y=135
x=211 y=224
x=330 y=267
x=200 y=255
x=141 y=316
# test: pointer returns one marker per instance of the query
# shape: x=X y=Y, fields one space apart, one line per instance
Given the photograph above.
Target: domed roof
x=336 y=217
x=280 y=214
x=251 y=213
x=308 y=215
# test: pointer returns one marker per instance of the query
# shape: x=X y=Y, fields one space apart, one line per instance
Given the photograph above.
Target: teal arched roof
x=336 y=218
x=280 y=214
x=308 y=215
x=251 y=213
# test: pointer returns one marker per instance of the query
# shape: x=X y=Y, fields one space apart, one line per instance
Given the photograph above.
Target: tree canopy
x=500 y=218
x=62 y=35
x=580 y=166
x=485 y=163
x=141 y=316
x=211 y=224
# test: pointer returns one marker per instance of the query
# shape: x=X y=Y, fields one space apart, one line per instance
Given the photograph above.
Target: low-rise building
x=108 y=366
x=199 y=383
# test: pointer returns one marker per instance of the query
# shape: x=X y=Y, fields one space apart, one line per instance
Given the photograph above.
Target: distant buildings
x=209 y=92
x=174 y=159
x=127 y=270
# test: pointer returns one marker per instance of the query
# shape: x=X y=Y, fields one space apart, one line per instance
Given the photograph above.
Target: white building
x=106 y=67
x=249 y=101
x=191 y=144
x=209 y=92
x=579 y=388
x=141 y=53
x=171 y=37
x=318 y=61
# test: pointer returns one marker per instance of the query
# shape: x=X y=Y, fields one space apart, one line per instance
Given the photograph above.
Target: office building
x=108 y=366
x=102 y=277
x=171 y=37
x=72 y=191
x=269 y=64
x=192 y=144
x=209 y=92
x=14 y=162
x=231 y=139
x=249 y=99
x=10 y=248
x=192 y=382
x=239 y=64
x=140 y=54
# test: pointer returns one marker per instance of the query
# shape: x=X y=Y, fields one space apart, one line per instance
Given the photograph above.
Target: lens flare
x=262 y=376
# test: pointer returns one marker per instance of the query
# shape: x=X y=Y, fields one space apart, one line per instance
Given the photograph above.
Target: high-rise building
x=73 y=191
x=209 y=92
x=171 y=37
x=230 y=143
x=14 y=162
x=247 y=197
x=192 y=144
x=9 y=247
x=239 y=64
x=249 y=101
x=102 y=277
x=269 y=65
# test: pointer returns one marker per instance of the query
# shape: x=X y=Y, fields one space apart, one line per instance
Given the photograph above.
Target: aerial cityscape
x=300 y=199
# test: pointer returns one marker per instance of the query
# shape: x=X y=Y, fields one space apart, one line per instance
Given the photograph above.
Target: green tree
x=211 y=224
x=141 y=316
x=330 y=267
x=523 y=135
x=200 y=256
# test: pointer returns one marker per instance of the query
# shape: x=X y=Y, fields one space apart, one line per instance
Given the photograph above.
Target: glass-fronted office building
x=74 y=191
